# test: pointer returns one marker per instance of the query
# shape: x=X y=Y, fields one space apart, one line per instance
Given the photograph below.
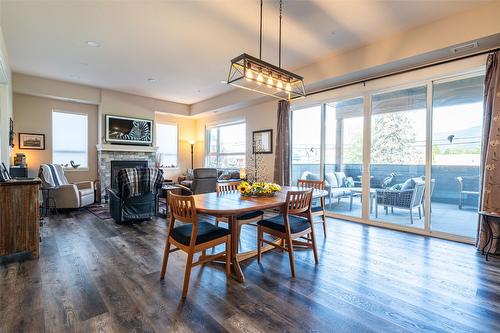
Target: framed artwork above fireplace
x=129 y=131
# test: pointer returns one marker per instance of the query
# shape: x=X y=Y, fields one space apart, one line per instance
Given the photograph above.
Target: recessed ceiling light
x=151 y=79
x=92 y=43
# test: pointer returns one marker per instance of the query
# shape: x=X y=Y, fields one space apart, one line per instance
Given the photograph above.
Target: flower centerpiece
x=258 y=189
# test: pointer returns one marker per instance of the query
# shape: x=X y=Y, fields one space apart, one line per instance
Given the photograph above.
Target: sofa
x=66 y=194
x=204 y=180
x=337 y=184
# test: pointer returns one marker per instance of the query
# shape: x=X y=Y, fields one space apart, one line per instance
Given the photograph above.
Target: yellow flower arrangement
x=258 y=189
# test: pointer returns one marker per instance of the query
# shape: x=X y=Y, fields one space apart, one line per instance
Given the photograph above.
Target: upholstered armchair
x=66 y=194
x=410 y=197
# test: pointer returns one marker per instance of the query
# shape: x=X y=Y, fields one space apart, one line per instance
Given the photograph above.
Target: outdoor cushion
x=312 y=176
x=331 y=179
x=297 y=224
x=340 y=192
x=341 y=178
x=250 y=215
x=409 y=184
x=206 y=233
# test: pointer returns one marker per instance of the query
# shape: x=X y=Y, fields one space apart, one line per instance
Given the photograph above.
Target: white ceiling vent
x=464 y=47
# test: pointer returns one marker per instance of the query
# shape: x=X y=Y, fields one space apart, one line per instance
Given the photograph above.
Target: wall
x=5 y=103
x=257 y=117
x=33 y=114
x=187 y=132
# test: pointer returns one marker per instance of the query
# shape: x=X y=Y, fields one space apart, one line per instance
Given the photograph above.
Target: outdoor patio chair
x=409 y=197
x=467 y=186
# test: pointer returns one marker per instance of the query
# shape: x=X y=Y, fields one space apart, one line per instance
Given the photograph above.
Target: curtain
x=282 y=154
x=490 y=168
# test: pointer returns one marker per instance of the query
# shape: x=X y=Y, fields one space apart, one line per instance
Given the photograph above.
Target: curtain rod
x=402 y=71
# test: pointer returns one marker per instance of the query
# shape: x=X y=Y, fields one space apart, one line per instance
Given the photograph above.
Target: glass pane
x=306 y=142
x=232 y=138
x=212 y=161
x=69 y=138
x=212 y=140
x=166 y=140
x=456 y=144
x=344 y=154
x=232 y=161
x=397 y=160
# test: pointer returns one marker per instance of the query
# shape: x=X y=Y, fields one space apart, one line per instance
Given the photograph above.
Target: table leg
x=490 y=237
x=235 y=237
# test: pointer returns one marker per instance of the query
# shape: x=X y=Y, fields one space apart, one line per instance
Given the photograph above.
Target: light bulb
x=260 y=79
x=279 y=85
x=270 y=82
x=288 y=87
x=248 y=74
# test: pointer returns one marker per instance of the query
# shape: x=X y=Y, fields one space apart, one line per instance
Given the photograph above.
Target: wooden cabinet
x=20 y=217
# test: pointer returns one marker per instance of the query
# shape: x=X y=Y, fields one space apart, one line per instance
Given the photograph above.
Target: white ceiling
x=186 y=45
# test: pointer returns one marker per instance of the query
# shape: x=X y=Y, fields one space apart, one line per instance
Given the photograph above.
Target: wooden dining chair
x=246 y=218
x=192 y=237
x=316 y=210
x=295 y=222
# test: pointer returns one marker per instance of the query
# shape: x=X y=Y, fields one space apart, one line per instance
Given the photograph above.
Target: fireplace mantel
x=127 y=148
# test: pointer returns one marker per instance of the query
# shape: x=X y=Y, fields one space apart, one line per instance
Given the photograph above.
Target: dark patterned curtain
x=490 y=168
x=282 y=154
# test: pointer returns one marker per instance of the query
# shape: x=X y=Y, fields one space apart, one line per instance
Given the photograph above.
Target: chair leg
x=419 y=212
x=187 y=275
x=392 y=210
x=315 y=250
x=259 y=244
x=324 y=224
x=165 y=260
x=290 y=256
x=216 y=222
x=228 y=258
x=376 y=210
x=411 y=216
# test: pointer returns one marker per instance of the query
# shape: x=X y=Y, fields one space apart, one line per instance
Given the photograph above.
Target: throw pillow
x=409 y=184
x=331 y=179
x=189 y=174
x=341 y=178
x=226 y=175
x=396 y=187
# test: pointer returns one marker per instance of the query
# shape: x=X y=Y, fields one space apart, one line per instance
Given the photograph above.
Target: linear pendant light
x=254 y=74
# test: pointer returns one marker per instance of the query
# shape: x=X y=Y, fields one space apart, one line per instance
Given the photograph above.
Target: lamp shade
x=192 y=142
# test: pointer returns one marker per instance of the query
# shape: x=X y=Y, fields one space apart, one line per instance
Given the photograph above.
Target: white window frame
x=69 y=168
x=217 y=153
x=177 y=142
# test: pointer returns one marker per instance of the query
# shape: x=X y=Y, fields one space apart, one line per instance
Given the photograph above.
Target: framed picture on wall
x=31 y=141
x=263 y=142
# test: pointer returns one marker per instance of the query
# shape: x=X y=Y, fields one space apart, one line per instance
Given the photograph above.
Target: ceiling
x=186 y=45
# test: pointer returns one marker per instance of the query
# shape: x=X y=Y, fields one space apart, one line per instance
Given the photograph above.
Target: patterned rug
x=100 y=210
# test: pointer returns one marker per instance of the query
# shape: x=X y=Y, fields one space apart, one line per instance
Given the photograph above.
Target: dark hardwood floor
x=95 y=275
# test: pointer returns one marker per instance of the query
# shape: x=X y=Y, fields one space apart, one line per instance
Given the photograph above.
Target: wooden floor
x=95 y=275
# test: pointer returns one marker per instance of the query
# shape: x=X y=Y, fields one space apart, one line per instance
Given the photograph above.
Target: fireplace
x=118 y=165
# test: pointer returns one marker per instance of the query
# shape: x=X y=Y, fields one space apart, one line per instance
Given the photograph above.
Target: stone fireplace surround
x=108 y=152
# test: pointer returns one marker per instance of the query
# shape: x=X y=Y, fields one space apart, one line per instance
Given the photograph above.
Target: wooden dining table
x=232 y=204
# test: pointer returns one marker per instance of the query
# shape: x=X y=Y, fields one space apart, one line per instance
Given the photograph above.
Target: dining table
x=231 y=204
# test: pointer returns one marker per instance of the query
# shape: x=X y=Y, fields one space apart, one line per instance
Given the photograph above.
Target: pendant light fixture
x=254 y=74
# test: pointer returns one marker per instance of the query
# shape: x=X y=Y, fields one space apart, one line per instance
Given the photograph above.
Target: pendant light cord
x=279 y=38
x=260 y=32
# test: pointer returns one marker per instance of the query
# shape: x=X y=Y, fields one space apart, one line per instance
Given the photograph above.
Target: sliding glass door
x=306 y=144
x=397 y=156
x=456 y=144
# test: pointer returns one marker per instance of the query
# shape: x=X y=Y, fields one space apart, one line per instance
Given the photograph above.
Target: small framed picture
x=31 y=141
x=263 y=142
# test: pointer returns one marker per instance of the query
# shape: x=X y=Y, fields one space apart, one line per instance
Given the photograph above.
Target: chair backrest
x=204 y=181
x=182 y=208
x=52 y=175
x=227 y=187
x=298 y=202
x=418 y=193
x=315 y=184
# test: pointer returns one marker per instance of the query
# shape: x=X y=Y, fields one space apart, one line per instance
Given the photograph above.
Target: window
x=226 y=146
x=70 y=138
x=167 y=142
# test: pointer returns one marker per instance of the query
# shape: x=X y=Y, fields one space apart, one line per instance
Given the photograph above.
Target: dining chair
x=295 y=222
x=192 y=237
x=246 y=218
x=316 y=210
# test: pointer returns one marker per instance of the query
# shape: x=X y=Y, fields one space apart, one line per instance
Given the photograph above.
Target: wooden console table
x=20 y=217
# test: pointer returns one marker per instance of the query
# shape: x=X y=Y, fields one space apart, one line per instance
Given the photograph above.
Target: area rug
x=100 y=210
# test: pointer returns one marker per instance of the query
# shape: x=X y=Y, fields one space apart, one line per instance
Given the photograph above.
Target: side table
x=49 y=202
x=489 y=218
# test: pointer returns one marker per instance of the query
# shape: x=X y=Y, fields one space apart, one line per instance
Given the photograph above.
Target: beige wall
x=257 y=117
x=33 y=114
x=187 y=131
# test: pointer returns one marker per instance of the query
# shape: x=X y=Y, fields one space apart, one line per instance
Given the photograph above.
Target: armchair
x=410 y=197
x=136 y=197
x=467 y=186
x=66 y=194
